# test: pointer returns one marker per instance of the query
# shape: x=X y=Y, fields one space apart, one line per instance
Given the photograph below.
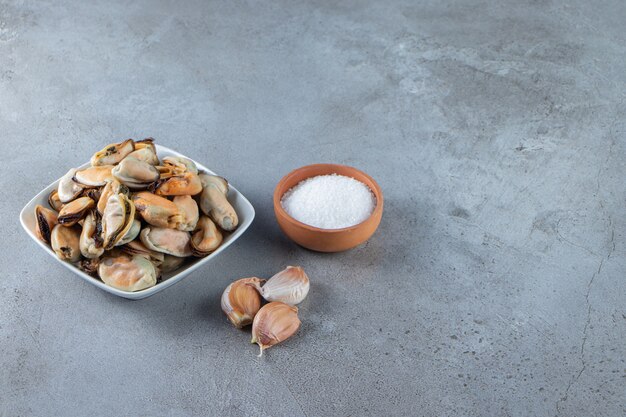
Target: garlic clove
x=274 y=323
x=290 y=286
x=241 y=301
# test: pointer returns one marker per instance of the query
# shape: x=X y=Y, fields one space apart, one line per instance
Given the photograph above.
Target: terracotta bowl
x=326 y=240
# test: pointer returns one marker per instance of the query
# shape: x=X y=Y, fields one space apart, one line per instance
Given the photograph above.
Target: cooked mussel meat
x=135 y=174
x=189 y=211
x=68 y=189
x=157 y=211
x=146 y=154
x=112 y=154
x=170 y=241
x=95 y=176
x=182 y=164
x=73 y=212
x=117 y=219
x=127 y=273
x=65 y=242
x=132 y=233
x=214 y=202
x=90 y=239
x=206 y=238
x=183 y=184
x=54 y=201
x=45 y=220
x=112 y=187
x=136 y=247
x=171 y=263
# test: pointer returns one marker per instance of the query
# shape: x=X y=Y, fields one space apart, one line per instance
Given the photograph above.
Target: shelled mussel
x=129 y=217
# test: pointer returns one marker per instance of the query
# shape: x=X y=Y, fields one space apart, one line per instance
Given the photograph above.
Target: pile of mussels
x=130 y=217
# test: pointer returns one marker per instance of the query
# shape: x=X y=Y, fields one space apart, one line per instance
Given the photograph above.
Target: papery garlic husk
x=274 y=323
x=241 y=301
x=290 y=286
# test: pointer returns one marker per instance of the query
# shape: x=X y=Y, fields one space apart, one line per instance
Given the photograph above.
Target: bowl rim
x=278 y=207
x=174 y=278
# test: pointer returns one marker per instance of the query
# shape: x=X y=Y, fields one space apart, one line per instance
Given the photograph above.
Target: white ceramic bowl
x=244 y=209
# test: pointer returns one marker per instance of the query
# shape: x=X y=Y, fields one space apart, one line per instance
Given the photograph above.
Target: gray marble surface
x=495 y=285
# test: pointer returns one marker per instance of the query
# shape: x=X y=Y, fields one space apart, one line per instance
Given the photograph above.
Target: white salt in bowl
x=326 y=240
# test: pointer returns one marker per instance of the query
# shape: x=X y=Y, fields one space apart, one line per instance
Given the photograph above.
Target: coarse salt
x=329 y=201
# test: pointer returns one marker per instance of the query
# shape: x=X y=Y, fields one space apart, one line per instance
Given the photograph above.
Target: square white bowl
x=242 y=206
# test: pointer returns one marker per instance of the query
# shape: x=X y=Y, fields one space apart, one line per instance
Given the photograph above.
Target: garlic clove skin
x=241 y=301
x=274 y=323
x=290 y=286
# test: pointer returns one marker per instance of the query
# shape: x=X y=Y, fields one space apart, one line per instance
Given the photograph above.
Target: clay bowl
x=326 y=240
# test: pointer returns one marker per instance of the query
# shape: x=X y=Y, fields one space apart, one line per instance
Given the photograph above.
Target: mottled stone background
x=495 y=286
